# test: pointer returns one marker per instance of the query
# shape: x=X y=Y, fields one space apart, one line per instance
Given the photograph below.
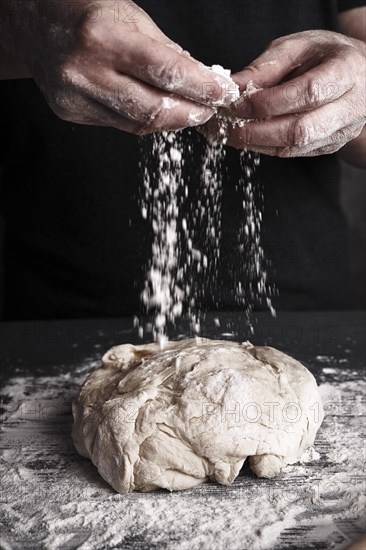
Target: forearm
x=355 y=151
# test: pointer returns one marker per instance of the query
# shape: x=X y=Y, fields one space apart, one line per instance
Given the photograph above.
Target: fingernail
x=242 y=109
x=200 y=115
x=223 y=91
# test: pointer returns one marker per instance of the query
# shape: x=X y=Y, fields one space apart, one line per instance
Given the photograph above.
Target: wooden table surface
x=44 y=362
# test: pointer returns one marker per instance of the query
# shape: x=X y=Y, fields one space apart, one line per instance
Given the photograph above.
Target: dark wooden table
x=52 y=498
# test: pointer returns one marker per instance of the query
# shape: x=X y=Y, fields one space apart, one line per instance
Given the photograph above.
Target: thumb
x=281 y=57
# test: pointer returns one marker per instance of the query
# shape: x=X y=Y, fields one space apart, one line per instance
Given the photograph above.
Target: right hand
x=101 y=67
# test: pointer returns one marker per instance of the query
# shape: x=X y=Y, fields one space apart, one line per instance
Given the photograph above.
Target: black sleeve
x=344 y=5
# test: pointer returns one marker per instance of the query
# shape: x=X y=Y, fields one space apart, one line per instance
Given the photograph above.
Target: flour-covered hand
x=105 y=63
x=309 y=96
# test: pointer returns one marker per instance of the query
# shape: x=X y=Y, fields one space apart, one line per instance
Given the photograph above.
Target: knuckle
x=299 y=134
x=275 y=42
x=82 y=36
x=312 y=93
x=343 y=135
x=171 y=73
x=254 y=71
x=68 y=73
x=90 y=34
x=284 y=40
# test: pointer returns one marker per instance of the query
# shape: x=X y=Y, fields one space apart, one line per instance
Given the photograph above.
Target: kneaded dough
x=194 y=411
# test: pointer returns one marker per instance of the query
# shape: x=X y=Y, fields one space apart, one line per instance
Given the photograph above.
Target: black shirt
x=75 y=242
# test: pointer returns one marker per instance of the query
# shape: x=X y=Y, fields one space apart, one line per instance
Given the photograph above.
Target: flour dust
x=183 y=268
x=165 y=288
x=259 y=290
x=53 y=498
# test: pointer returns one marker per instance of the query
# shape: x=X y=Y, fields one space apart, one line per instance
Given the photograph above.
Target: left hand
x=312 y=99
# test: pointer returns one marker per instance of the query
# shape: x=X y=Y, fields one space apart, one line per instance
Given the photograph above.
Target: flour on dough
x=196 y=410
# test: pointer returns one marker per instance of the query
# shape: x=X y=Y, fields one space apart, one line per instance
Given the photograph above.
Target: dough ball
x=193 y=411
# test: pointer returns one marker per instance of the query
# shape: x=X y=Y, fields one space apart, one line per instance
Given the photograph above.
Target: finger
x=288 y=130
x=286 y=153
x=89 y=112
x=324 y=147
x=152 y=109
x=332 y=144
x=319 y=86
x=159 y=65
x=272 y=66
x=96 y=114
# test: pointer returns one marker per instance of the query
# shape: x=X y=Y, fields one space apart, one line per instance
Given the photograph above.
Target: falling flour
x=249 y=237
x=180 y=272
x=164 y=290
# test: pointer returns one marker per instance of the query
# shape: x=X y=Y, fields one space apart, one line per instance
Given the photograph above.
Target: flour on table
x=53 y=498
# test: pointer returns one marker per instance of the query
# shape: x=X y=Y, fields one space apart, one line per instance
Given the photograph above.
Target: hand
x=102 y=66
x=311 y=99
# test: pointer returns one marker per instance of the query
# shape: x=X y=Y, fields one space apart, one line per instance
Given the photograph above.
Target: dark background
x=310 y=269
x=353 y=198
